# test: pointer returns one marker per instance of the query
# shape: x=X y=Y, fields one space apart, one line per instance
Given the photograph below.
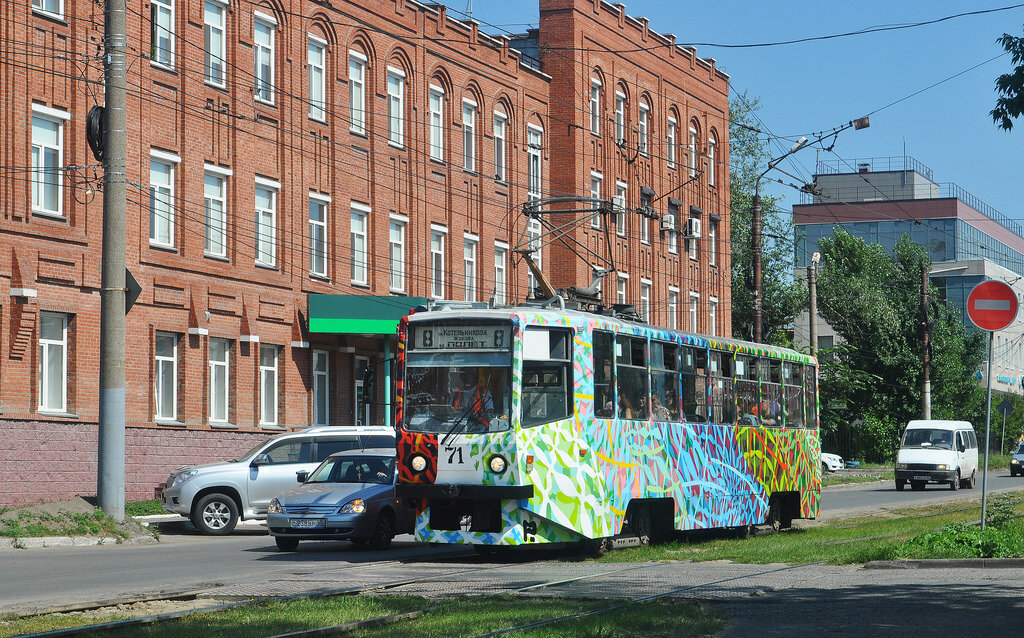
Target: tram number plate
x=922 y=478
x=307 y=523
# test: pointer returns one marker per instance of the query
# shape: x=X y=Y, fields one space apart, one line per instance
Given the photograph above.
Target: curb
x=948 y=563
x=39 y=542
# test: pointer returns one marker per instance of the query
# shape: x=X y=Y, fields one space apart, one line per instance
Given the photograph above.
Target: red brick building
x=280 y=150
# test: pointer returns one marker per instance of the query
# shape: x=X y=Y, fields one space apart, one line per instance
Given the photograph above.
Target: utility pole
x=926 y=384
x=111 y=458
x=755 y=237
x=812 y=288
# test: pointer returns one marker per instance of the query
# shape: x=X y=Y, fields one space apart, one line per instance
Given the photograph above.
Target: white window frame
x=161 y=18
x=533 y=233
x=534 y=161
x=39 y=6
x=162 y=220
x=266 y=223
x=46 y=345
x=595 y=106
x=396 y=252
x=357 y=92
x=691 y=247
x=321 y=387
x=359 y=236
x=620 y=117
x=691 y=149
x=712 y=242
x=164 y=366
x=215 y=222
x=500 y=272
x=436 y=107
x=596 y=180
x=673 y=307
x=694 y=306
x=469 y=265
x=713 y=316
x=42 y=168
x=712 y=146
x=645 y=299
x=219 y=396
x=670 y=142
x=316 y=60
x=500 y=146
x=263 y=89
x=269 y=386
x=396 y=107
x=469 y=108
x=645 y=229
x=318 y=227
x=438 y=235
x=621 y=287
x=642 y=125
x=215 y=62
x=621 y=190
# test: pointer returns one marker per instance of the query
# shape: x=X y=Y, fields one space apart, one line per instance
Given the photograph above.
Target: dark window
x=327 y=447
x=793 y=387
x=289 y=452
x=695 y=385
x=770 y=408
x=746 y=389
x=811 y=395
x=664 y=381
x=604 y=375
x=723 y=399
x=547 y=380
x=378 y=440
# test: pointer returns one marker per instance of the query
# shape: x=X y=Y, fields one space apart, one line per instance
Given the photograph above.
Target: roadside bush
x=876 y=439
x=1001 y=538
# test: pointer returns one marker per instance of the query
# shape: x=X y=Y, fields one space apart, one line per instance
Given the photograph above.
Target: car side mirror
x=261 y=459
x=962 y=447
x=301 y=476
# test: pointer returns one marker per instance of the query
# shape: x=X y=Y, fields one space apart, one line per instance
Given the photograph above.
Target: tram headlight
x=498 y=464
x=418 y=463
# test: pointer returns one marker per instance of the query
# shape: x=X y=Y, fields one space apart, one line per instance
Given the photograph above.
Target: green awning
x=358 y=314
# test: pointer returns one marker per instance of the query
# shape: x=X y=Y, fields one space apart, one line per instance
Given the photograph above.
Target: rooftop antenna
x=469 y=9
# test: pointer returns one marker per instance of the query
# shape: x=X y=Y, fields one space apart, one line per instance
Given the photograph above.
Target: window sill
x=168 y=68
x=272 y=426
x=214 y=85
x=266 y=266
x=167 y=248
x=360 y=284
x=396 y=145
x=266 y=103
x=49 y=215
x=54 y=17
x=358 y=132
x=500 y=181
x=439 y=162
x=323 y=278
x=470 y=171
x=223 y=425
x=223 y=258
x=398 y=293
x=169 y=422
x=57 y=414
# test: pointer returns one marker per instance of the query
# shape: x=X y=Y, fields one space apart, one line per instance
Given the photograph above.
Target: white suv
x=214 y=496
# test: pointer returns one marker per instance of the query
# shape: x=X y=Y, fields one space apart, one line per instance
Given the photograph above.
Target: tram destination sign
x=992 y=305
x=462 y=337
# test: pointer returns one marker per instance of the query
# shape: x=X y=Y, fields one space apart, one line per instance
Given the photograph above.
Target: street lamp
x=756 y=234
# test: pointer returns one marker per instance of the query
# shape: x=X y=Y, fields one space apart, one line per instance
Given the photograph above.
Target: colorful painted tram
x=544 y=425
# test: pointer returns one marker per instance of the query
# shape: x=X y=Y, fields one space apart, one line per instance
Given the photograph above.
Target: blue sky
x=815 y=86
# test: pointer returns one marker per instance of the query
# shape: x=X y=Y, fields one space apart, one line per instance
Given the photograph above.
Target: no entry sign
x=992 y=305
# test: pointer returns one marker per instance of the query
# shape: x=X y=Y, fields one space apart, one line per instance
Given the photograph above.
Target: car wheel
x=384 y=530
x=900 y=484
x=824 y=468
x=955 y=483
x=971 y=480
x=1013 y=472
x=917 y=486
x=286 y=544
x=215 y=514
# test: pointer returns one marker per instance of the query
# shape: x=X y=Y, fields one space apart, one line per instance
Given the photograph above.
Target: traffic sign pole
x=992 y=306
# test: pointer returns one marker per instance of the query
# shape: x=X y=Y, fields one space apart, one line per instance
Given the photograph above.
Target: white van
x=937 y=452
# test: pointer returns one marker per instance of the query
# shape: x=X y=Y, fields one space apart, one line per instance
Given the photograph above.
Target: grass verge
x=849 y=541
x=144 y=508
x=451 y=617
x=25 y=524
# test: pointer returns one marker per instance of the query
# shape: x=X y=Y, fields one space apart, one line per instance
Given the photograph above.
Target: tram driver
x=472 y=402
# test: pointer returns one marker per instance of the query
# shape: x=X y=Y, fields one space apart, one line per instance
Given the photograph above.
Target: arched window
x=712 y=158
x=502 y=117
x=643 y=126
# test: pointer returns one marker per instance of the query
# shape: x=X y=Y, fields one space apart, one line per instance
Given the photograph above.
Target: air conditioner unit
x=668 y=221
x=692 y=229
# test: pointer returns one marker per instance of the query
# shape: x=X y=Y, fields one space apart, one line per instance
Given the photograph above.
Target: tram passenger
x=658 y=409
x=472 y=402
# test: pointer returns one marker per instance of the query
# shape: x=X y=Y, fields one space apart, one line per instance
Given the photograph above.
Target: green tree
x=1010 y=86
x=781 y=295
x=872 y=300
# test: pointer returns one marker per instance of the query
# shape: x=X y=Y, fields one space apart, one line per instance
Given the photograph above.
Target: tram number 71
x=453 y=454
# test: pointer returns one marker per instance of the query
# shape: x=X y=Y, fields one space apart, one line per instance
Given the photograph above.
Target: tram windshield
x=458 y=378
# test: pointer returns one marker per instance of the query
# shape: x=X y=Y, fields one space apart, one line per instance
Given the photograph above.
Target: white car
x=831 y=462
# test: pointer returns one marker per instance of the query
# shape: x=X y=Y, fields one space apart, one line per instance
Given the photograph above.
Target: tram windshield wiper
x=457 y=427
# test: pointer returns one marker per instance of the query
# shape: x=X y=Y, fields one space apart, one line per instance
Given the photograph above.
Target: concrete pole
x=926 y=383
x=111 y=462
x=812 y=288
x=755 y=240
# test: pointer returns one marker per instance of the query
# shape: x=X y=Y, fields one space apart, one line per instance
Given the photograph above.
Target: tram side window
x=747 y=399
x=811 y=394
x=792 y=382
x=631 y=377
x=695 y=385
x=723 y=399
x=604 y=376
x=664 y=381
x=770 y=409
x=547 y=376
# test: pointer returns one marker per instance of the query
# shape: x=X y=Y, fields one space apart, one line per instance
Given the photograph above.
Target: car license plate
x=922 y=478
x=307 y=523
